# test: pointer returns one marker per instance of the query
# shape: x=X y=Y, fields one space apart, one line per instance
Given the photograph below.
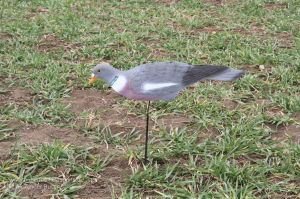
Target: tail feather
x=210 y=72
x=227 y=75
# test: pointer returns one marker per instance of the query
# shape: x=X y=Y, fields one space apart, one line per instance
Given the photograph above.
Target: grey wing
x=159 y=73
x=210 y=72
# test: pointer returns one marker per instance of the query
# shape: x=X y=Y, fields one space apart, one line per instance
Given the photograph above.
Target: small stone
x=261 y=67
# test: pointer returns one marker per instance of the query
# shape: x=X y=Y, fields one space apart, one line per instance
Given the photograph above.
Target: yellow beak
x=92 y=79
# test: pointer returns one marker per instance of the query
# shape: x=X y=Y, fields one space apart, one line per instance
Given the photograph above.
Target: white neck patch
x=155 y=86
x=119 y=84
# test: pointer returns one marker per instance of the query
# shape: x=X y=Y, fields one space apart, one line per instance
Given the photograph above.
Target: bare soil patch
x=35 y=135
x=209 y=29
x=229 y=104
x=167 y=2
x=275 y=111
x=112 y=115
x=120 y=121
x=95 y=100
x=110 y=181
x=284 y=39
x=215 y=2
x=262 y=71
x=246 y=159
x=5 y=36
x=36 y=190
x=38 y=11
x=156 y=46
x=173 y=121
x=107 y=182
x=15 y=95
x=51 y=42
x=284 y=133
x=275 y=5
x=47 y=134
x=109 y=114
x=90 y=60
x=157 y=53
x=210 y=133
x=219 y=2
x=297 y=117
x=262 y=102
x=5 y=149
x=256 y=29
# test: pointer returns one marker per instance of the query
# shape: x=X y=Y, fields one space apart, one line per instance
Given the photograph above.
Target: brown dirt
x=91 y=60
x=275 y=5
x=167 y=2
x=280 y=195
x=255 y=29
x=51 y=42
x=39 y=190
x=46 y=134
x=229 y=104
x=275 y=111
x=278 y=179
x=251 y=158
x=157 y=50
x=284 y=39
x=262 y=102
x=209 y=29
x=263 y=71
x=109 y=182
x=173 y=121
x=297 y=117
x=157 y=53
x=5 y=36
x=215 y=2
x=284 y=133
x=37 y=12
x=220 y=2
x=210 y=132
x=106 y=185
x=91 y=100
x=33 y=135
x=105 y=103
x=15 y=95
x=111 y=114
x=5 y=149
x=120 y=121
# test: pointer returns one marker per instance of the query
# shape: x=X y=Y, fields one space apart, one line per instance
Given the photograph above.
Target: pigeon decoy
x=159 y=80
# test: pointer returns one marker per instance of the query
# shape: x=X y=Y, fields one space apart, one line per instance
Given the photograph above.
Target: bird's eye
x=98 y=70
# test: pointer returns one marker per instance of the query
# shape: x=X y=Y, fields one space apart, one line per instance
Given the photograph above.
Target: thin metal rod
x=147 y=131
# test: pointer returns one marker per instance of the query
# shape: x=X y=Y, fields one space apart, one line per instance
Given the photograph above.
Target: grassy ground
x=61 y=138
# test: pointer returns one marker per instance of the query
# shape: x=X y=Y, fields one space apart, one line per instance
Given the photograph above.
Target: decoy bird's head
x=103 y=71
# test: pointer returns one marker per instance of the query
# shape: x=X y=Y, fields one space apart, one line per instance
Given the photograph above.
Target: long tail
x=227 y=75
x=211 y=72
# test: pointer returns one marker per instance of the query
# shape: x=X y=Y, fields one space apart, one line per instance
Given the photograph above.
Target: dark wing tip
x=239 y=74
